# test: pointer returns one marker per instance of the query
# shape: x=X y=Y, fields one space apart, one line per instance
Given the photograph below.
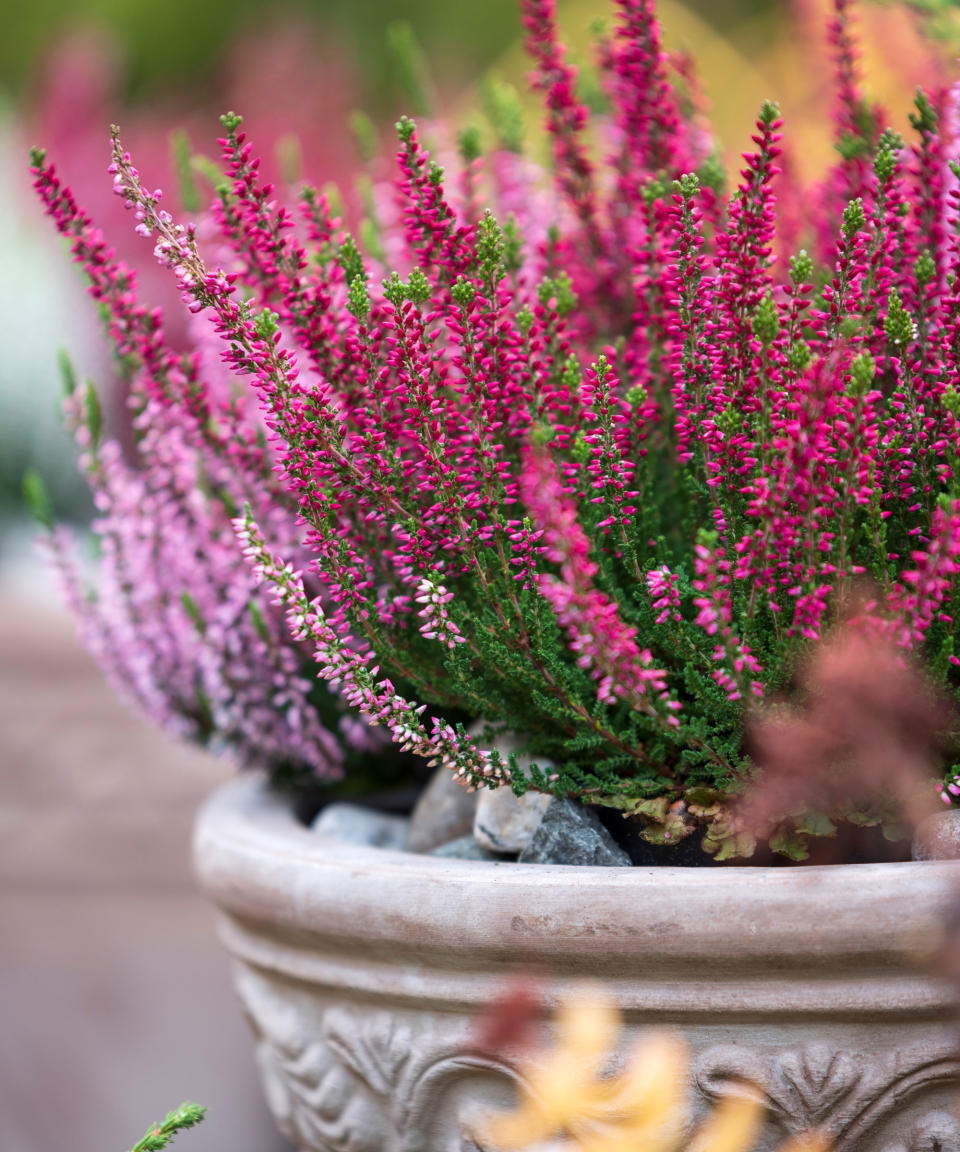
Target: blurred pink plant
x=300 y=91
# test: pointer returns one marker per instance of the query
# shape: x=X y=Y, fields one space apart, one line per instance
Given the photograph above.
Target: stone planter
x=361 y=971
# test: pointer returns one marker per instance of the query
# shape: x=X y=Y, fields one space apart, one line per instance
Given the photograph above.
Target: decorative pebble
x=938 y=837
x=353 y=824
x=443 y=813
x=505 y=822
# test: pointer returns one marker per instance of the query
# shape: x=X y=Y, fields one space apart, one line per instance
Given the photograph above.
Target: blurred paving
x=115 y=1000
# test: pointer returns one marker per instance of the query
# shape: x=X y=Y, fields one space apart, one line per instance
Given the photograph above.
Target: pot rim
x=260 y=866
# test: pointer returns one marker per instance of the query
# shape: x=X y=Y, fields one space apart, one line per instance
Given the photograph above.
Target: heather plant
x=594 y=460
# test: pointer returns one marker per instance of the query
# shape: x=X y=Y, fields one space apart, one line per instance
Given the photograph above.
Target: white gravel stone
x=938 y=837
x=505 y=822
x=443 y=813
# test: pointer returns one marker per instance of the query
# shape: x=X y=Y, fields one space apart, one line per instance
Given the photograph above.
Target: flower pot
x=363 y=970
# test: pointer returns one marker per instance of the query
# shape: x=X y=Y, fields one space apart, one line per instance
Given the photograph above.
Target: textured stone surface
x=505 y=822
x=362 y=974
x=354 y=824
x=463 y=848
x=938 y=837
x=443 y=813
x=569 y=833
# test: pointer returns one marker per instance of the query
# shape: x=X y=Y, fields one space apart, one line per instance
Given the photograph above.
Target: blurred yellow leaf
x=568 y=1101
x=732 y=1126
x=587 y=1025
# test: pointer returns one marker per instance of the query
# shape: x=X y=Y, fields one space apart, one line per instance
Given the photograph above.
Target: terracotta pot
x=362 y=970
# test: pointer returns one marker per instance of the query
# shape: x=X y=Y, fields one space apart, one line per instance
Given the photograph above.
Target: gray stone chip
x=464 y=848
x=572 y=834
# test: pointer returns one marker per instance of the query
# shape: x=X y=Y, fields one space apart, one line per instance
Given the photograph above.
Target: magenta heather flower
x=599 y=464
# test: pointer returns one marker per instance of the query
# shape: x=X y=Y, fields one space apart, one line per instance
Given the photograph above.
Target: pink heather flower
x=736 y=663
x=357 y=681
x=662 y=586
x=437 y=624
x=925 y=588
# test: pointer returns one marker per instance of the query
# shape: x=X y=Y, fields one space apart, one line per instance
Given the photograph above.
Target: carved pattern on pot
x=342 y=1080
x=849 y=1095
x=365 y=1078
x=937 y=1132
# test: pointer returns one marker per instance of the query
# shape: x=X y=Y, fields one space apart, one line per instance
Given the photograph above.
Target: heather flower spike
x=595 y=456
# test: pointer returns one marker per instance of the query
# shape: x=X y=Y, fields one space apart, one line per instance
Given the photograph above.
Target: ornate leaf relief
x=342 y=1080
x=369 y=1079
x=938 y=1132
x=850 y=1094
x=377 y=1054
x=814 y=1083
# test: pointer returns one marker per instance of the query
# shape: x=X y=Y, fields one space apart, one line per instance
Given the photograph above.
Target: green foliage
x=395 y=290
x=36 y=499
x=68 y=376
x=351 y=261
x=186 y=174
x=712 y=173
x=266 y=324
x=558 y=289
x=418 y=289
x=469 y=144
x=410 y=66
x=888 y=151
x=231 y=123
x=503 y=109
x=358 y=299
x=769 y=112
x=93 y=413
x=688 y=185
x=490 y=249
x=799 y=356
x=854 y=219
x=766 y=320
x=862 y=371
x=405 y=129
x=925 y=268
x=924 y=119
x=898 y=325
x=191 y=609
x=161 y=1135
x=801 y=268
x=364 y=136
x=463 y=292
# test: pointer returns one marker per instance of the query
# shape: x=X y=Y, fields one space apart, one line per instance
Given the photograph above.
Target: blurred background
x=114 y=998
